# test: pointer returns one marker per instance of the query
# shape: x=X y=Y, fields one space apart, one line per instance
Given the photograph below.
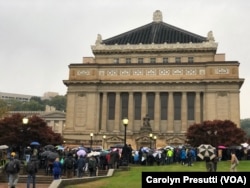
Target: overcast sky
x=40 y=38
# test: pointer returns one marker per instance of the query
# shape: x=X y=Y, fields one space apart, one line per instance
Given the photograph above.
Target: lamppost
x=150 y=137
x=103 y=141
x=155 y=137
x=25 y=121
x=125 y=123
x=125 y=148
x=91 y=140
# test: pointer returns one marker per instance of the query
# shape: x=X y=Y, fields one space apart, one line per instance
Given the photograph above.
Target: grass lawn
x=132 y=178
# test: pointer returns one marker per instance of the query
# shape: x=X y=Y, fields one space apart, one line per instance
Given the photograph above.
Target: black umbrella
x=49 y=147
x=206 y=150
x=52 y=156
x=45 y=153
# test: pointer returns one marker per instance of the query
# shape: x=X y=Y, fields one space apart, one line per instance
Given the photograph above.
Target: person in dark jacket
x=32 y=173
x=12 y=175
x=69 y=171
x=80 y=163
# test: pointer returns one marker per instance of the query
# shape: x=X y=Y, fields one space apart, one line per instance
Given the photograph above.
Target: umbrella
x=34 y=144
x=45 y=153
x=52 y=156
x=83 y=148
x=81 y=152
x=49 y=147
x=206 y=150
x=169 y=147
x=145 y=149
x=59 y=148
x=4 y=147
x=235 y=147
x=222 y=147
x=245 y=145
x=94 y=153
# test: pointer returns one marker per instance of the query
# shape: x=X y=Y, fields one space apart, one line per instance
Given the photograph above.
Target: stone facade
x=208 y=88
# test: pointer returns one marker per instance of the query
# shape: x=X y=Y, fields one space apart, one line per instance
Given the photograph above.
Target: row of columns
x=157 y=110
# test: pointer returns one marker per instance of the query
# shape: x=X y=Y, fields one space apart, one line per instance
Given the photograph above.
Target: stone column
x=157 y=112
x=117 y=112
x=130 y=111
x=170 y=128
x=104 y=113
x=197 y=107
x=144 y=107
x=184 y=112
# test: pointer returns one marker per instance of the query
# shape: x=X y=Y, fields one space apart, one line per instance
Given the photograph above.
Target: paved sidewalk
x=23 y=185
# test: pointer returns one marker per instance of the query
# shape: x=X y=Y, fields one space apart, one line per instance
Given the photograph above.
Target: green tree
x=59 y=102
x=245 y=125
x=14 y=133
x=4 y=108
x=32 y=105
x=216 y=133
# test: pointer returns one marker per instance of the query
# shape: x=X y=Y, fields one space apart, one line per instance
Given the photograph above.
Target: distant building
x=15 y=96
x=49 y=95
x=54 y=119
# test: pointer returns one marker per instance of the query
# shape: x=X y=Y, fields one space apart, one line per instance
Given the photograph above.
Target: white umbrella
x=4 y=147
x=94 y=153
x=244 y=145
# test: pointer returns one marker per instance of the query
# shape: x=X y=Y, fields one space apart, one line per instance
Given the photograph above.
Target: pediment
x=175 y=140
x=143 y=139
x=115 y=139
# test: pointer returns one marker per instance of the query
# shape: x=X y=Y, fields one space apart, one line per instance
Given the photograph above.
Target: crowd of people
x=69 y=162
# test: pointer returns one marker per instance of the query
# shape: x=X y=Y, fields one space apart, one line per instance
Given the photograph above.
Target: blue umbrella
x=34 y=144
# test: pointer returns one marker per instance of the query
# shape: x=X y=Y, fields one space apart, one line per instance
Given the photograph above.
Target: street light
x=91 y=140
x=104 y=137
x=125 y=123
x=124 y=156
x=150 y=137
x=155 y=137
x=25 y=120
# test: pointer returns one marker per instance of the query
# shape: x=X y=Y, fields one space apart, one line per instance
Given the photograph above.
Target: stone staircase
x=41 y=177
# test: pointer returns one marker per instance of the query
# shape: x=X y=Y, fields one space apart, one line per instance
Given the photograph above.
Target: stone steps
x=42 y=178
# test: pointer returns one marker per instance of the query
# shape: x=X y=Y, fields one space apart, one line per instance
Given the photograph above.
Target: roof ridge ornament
x=210 y=36
x=157 y=16
x=99 y=39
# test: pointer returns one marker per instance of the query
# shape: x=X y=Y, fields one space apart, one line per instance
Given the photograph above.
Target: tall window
x=116 y=61
x=137 y=103
x=191 y=103
x=140 y=60
x=111 y=103
x=190 y=59
x=178 y=60
x=177 y=106
x=124 y=100
x=151 y=104
x=165 y=60
x=152 y=60
x=128 y=60
x=164 y=106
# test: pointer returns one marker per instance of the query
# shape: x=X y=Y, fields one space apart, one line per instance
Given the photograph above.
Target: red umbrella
x=222 y=147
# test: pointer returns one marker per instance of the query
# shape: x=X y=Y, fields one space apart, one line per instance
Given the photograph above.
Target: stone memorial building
x=173 y=77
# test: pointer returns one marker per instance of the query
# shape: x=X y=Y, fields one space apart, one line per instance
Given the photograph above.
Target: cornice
x=205 y=46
